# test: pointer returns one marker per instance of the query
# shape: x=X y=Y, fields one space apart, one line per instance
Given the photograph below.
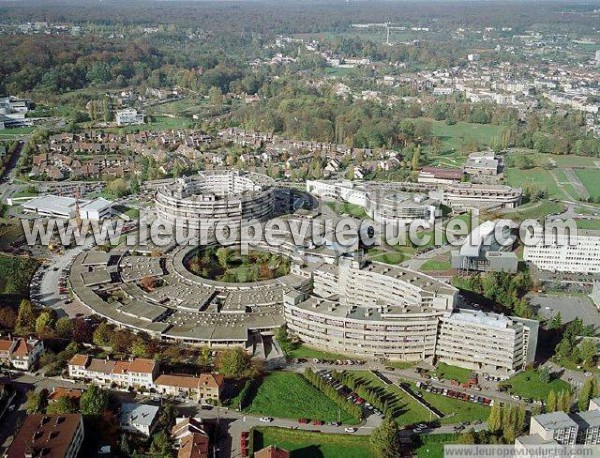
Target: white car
x=266 y=419
x=11 y=408
x=350 y=430
x=417 y=430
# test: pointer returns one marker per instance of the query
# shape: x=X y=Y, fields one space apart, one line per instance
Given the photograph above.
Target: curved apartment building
x=233 y=198
x=373 y=310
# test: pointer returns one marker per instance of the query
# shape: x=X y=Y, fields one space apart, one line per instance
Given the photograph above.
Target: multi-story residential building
x=20 y=353
x=594 y=404
x=566 y=252
x=137 y=372
x=589 y=427
x=486 y=342
x=482 y=163
x=48 y=435
x=556 y=425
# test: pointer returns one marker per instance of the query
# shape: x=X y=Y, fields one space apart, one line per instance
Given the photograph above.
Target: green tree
x=62 y=405
x=587 y=351
x=234 y=362
x=551 y=402
x=43 y=324
x=64 y=328
x=93 y=401
x=224 y=256
x=102 y=335
x=588 y=391
x=161 y=446
x=139 y=348
x=544 y=375
x=555 y=322
x=384 y=439
x=25 y=318
x=118 y=187
x=494 y=422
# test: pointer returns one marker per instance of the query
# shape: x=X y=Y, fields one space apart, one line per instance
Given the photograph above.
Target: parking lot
x=569 y=307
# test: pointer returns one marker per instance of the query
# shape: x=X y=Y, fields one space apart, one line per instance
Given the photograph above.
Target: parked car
x=266 y=419
x=350 y=430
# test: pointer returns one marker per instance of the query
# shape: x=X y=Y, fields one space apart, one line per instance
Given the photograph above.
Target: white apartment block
x=128 y=117
x=580 y=254
x=137 y=372
x=486 y=342
x=556 y=426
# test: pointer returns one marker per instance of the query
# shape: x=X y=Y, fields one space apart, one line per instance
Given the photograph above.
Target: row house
x=20 y=353
x=142 y=372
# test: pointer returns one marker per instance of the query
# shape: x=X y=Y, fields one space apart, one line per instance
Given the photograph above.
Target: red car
x=318 y=422
x=303 y=421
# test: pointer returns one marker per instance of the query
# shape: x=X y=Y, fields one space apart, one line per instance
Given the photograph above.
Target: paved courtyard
x=570 y=307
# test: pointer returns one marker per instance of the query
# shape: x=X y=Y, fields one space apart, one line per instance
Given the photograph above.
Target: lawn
x=302 y=351
x=388 y=257
x=290 y=395
x=534 y=210
x=591 y=180
x=589 y=224
x=407 y=410
x=432 y=445
x=537 y=176
x=436 y=265
x=527 y=385
x=448 y=372
x=455 y=410
x=345 y=208
x=306 y=444
x=454 y=136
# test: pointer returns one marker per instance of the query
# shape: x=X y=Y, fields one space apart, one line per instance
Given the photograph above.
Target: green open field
x=455 y=410
x=407 y=410
x=302 y=351
x=7 y=134
x=160 y=123
x=432 y=445
x=588 y=224
x=534 y=210
x=342 y=208
x=290 y=395
x=591 y=180
x=539 y=177
x=527 y=385
x=448 y=372
x=306 y=444
x=436 y=265
x=389 y=257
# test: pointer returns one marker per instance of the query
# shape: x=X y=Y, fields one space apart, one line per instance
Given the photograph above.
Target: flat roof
x=555 y=420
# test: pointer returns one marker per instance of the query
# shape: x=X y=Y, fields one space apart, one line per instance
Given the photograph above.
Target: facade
x=48 y=435
x=231 y=198
x=20 y=353
x=137 y=372
x=128 y=117
x=206 y=387
x=487 y=342
x=138 y=418
x=440 y=175
x=567 y=429
x=395 y=207
x=580 y=254
x=470 y=195
x=483 y=163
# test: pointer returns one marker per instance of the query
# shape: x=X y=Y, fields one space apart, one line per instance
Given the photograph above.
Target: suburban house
x=136 y=372
x=272 y=451
x=191 y=437
x=138 y=418
x=20 y=353
x=203 y=388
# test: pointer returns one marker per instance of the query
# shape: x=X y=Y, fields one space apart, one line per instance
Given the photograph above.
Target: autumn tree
x=25 y=323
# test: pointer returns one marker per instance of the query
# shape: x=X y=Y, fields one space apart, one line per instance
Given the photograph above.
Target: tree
x=555 y=322
x=64 y=328
x=494 y=422
x=564 y=402
x=43 y=324
x=118 y=187
x=551 y=402
x=415 y=159
x=8 y=317
x=384 y=439
x=216 y=96
x=102 y=335
x=587 y=351
x=224 y=256
x=62 y=405
x=36 y=402
x=93 y=401
x=544 y=375
x=233 y=362
x=25 y=318
x=588 y=391
x=139 y=348
x=161 y=446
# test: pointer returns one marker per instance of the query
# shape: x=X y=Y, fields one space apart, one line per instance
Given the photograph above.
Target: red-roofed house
x=20 y=353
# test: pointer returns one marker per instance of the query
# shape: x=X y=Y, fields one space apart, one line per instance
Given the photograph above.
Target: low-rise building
x=138 y=418
x=128 y=117
x=272 y=451
x=20 y=353
x=46 y=435
x=483 y=163
x=136 y=372
x=191 y=437
x=440 y=175
x=203 y=388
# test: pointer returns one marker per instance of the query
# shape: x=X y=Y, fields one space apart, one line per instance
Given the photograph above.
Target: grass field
x=388 y=257
x=290 y=395
x=527 y=385
x=454 y=136
x=432 y=445
x=589 y=224
x=539 y=177
x=407 y=410
x=306 y=444
x=456 y=411
x=452 y=372
x=435 y=265
x=534 y=210
x=302 y=351
x=591 y=180
x=350 y=209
